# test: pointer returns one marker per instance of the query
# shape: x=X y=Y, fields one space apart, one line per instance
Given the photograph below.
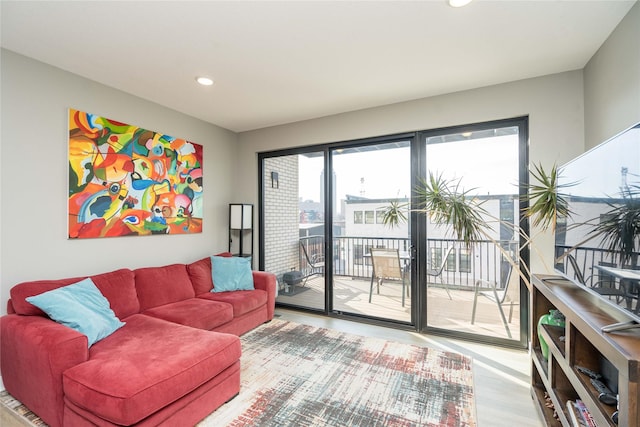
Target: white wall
x=553 y=103
x=612 y=82
x=34 y=174
x=351 y=229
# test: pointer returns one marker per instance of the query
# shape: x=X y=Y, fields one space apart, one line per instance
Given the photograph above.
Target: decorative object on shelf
x=584 y=413
x=241 y=229
x=548 y=403
x=128 y=181
x=554 y=318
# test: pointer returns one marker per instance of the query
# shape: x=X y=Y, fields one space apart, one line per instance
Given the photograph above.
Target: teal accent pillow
x=80 y=306
x=231 y=274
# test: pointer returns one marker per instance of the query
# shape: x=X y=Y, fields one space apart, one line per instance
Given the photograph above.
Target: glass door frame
x=334 y=147
x=420 y=228
x=418 y=232
x=327 y=150
x=261 y=217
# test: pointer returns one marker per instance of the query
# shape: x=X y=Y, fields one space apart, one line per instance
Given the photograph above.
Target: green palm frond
x=546 y=201
x=445 y=203
x=394 y=214
x=620 y=228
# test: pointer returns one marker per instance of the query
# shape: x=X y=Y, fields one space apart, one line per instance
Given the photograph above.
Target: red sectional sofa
x=176 y=359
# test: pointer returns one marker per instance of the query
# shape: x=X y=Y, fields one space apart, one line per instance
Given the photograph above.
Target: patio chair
x=605 y=284
x=315 y=264
x=577 y=271
x=437 y=272
x=386 y=266
x=507 y=294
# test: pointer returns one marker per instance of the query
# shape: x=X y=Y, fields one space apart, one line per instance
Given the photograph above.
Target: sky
x=598 y=173
x=386 y=173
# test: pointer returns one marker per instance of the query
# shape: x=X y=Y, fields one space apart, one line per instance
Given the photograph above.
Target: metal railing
x=464 y=266
x=587 y=259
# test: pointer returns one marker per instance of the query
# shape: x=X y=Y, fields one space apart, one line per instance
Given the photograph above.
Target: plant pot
x=555 y=318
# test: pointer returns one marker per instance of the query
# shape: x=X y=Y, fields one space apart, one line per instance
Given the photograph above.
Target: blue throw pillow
x=80 y=306
x=231 y=274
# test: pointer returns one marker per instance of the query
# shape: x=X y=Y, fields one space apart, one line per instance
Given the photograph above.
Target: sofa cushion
x=162 y=285
x=117 y=286
x=21 y=291
x=225 y=254
x=200 y=274
x=231 y=274
x=194 y=312
x=79 y=306
x=241 y=301
x=146 y=365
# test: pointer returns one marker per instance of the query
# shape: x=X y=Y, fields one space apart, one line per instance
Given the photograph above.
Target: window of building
x=359 y=252
x=435 y=257
x=450 y=265
x=368 y=217
x=464 y=262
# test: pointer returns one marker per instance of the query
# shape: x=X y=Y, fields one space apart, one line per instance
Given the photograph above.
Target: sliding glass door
x=372 y=255
x=474 y=287
x=344 y=229
x=319 y=228
x=293 y=227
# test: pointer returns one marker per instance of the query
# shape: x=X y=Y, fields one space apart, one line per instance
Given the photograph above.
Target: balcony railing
x=463 y=268
x=587 y=259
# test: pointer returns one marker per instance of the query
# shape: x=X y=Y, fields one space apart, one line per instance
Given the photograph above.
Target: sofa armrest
x=267 y=282
x=34 y=353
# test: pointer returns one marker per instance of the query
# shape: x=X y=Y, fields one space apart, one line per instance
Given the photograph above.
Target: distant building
x=363 y=218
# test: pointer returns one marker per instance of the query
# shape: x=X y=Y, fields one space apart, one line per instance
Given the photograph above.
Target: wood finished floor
x=9 y=419
x=501 y=375
x=445 y=310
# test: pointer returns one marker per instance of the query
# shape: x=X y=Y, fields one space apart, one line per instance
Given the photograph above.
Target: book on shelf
x=574 y=415
x=585 y=414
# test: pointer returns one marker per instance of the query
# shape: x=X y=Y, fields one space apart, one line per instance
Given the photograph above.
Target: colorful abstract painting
x=129 y=181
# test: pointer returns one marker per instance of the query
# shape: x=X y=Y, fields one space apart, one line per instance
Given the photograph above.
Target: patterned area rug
x=298 y=375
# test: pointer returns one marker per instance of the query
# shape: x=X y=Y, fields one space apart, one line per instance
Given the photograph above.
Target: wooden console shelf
x=581 y=343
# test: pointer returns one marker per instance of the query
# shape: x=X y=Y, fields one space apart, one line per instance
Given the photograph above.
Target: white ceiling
x=278 y=62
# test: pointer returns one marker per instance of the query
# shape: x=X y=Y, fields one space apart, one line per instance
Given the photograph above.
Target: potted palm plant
x=620 y=227
x=446 y=203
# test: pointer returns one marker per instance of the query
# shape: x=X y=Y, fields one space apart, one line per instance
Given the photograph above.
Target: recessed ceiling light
x=204 y=81
x=459 y=3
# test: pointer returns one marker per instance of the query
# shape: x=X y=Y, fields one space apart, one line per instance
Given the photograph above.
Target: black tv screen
x=597 y=244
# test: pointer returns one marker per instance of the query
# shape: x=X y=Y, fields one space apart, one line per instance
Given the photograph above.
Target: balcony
x=463 y=268
x=591 y=267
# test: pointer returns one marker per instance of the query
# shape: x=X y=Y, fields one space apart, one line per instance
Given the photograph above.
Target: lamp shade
x=241 y=216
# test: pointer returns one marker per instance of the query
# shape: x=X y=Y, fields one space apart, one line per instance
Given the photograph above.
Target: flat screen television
x=597 y=244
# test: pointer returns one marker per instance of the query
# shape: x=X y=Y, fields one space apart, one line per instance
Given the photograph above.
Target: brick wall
x=281 y=216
